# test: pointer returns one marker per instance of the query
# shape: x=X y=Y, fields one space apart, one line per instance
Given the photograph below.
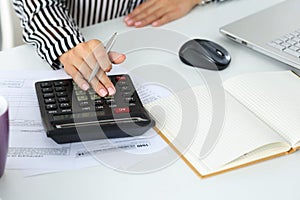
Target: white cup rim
x=3 y=105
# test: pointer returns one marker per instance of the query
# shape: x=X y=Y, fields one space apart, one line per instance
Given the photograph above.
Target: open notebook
x=261 y=121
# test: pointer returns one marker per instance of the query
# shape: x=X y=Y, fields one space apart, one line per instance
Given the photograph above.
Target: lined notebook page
x=177 y=117
x=241 y=132
x=274 y=97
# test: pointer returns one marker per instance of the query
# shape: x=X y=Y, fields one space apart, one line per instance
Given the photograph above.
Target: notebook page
x=241 y=131
x=177 y=117
x=274 y=97
x=260 y=153
x=257 y=154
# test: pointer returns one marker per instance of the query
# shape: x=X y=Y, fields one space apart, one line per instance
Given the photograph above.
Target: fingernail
x=111 y=91
x=126 y=18
x=155 y=24
x=137 y=23
x=129 y=22
x=85 y=87
x=103 y=92
x=119 y=59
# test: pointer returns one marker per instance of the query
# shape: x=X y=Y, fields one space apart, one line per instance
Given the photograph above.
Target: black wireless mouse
x=204 y=54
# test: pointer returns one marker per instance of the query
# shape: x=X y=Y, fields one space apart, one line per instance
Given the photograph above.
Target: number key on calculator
x=70 y=114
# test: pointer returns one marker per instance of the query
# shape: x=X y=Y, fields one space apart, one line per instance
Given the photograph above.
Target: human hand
x=159 y=12
x=81 y=60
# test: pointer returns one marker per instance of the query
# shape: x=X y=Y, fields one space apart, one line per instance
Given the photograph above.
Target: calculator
x=70 y=114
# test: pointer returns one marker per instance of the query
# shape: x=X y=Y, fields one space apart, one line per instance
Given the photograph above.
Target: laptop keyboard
x=289 y=43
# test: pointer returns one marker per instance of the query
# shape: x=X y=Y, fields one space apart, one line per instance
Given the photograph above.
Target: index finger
x=101 y=56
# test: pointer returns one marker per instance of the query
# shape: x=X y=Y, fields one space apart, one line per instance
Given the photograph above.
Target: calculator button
x=82 y=98
x=76 y=87
x=60 y=89
x=46 y=84
x=97 y=108
x=47 y=90
x=86 y=108
x=64 y=105
x=48 y=95
x=63 y=99
x=58 y=117
x=112 y=106
x=98 y=102
x=60 y=83
x=129 y=99
x=132 y=104
x=52 y=112
x=91 y=92
x=121 y=110
x=127 y=94
x=66 y=110
x=51 y=107
x=61 y=94
x=62 y=117
x=121 y=83
x=50 y=100
x=110 y=101
x=80 y=92
x=125 y=89
x=108 y=97
x=83 y=103
x=120 y=78
x=95 y=97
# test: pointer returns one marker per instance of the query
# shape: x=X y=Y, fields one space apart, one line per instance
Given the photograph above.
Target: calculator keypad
x=56 y=97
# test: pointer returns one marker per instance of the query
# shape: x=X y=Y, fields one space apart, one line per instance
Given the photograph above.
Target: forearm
x=48 y=27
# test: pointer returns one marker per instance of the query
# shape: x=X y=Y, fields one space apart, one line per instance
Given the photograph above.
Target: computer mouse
x=204 y=54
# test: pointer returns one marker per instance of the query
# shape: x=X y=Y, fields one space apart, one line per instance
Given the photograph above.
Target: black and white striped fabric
x=53 y=25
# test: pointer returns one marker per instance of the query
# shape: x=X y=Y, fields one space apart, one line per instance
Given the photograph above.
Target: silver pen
x=108 y=47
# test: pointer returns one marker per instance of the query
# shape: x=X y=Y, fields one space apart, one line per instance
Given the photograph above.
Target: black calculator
x=70 y=114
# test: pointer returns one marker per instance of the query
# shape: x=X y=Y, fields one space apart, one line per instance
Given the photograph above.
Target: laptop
x=274 y=31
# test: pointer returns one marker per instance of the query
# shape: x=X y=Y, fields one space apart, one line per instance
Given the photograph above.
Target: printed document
x=30 y=148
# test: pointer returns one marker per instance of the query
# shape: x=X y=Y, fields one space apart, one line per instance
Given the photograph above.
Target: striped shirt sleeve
x=48 y=26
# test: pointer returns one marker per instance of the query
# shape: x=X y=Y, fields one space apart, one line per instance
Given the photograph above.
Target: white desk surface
x=277 y=178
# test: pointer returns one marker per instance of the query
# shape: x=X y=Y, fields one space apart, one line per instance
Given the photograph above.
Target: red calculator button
x=121 y=110
x=120 y=78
